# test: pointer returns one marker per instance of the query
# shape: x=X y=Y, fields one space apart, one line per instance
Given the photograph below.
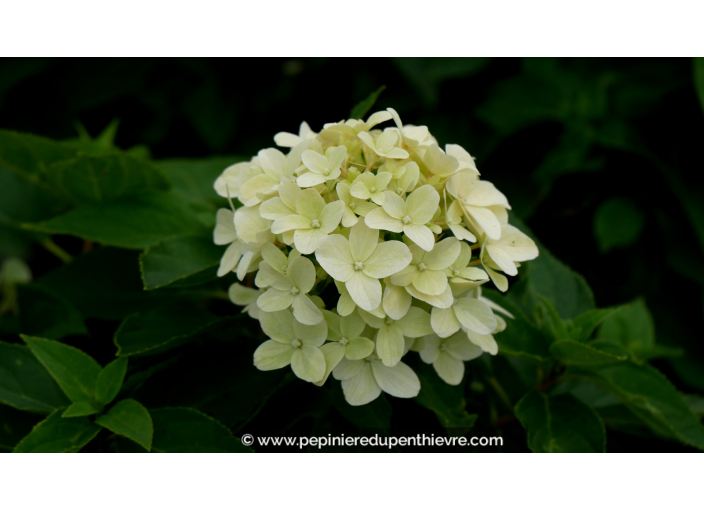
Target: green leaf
x=181 y=262
x=698 y=64
x=80 y=409
x=46 y=313
x=25 y=200
x=133 y=221
x=58 y=435
x=447 y=402
x=193 y=178
x=551 y=320
x=110 y=380
x=15 y=425
x=144 y=332
x=71 y=368
x=374 y=415
x=361 y=108
x=24 y=382
x=582 y=326
x=632 y=327
x=183 y=430
x=570 y=352
x=561 y=423
x=131 y=419
x=618 y=223
x=648 y=394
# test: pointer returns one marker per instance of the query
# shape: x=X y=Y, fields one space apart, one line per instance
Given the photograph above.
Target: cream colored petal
x=337 y=156
x=274 y=278
x=274 y=163
x=499 y=280
x=230 y=258
x=346 y=369
x=307 y=241
x=225 y=232
x=462 y=233
x=460 y=184
x=284 y=139
x=387 y=259
x=464 y=257
x=310 y=179
x=359 y=348
x=382 y=180
x=393 y=205
x=302 y=272
x=314 y=162
x=314 y=335
x=331 y=215
x=466 y=161
x=378 y=118
x=349 y=218
x=473 y=273
x=483 y=194
x=515 y=244
x=363 y=241
x=373 y=320
x=343 y=192
x=360 y=190
x=291 y=222
x=305 y=311
x=274 y=257
x=380 y=219
x=308 y=363
x=333 y=321
x=421 y=235
x=241 y=295
x=440 y=163
x=486 y=220
x=421 y=204
x=406 y=276
x=274 y=300
x=444 y=322
x=278 y=325
x=496 y=307
x=443 y=255
x=310 y=204
x=486 y=342
x=431 y=348
x=430 y=282
x=274 y=208
x=362 y=388
x=398 y=381
x=258 y=185
x=333 y=254
x=352 y=326
x=365 y=291
x=364 y=208
x=249 y=223
x=272 y=355
x=449 y=369
x=390 y=345
x=386 y=141
x=396 y=301
x=459 y=346
x=501 y=259
x=396 y=153
x=475 y=315
x=333 y=353
x=410 y=177
x=443 y=300
x=367 y=139
x=416 y=323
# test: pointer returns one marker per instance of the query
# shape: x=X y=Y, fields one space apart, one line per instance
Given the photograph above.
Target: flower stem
x=56 y=250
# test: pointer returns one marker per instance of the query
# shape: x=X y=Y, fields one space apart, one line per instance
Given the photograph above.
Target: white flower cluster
x=406 y=231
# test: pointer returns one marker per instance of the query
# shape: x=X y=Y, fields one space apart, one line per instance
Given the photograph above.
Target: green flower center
x=296 y=344
x=326 y=171
x=422 y=267
x=358 y=266
x=372 y=189
x=406 y=220
x=353 y=205
x=295 y=290
x=389 y=321
x=315 y=223
x=456 y=272
x=344 y=341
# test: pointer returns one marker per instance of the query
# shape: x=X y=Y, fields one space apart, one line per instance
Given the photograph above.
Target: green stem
x=56 y=250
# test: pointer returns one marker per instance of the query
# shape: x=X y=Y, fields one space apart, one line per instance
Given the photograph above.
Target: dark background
x=560 y=137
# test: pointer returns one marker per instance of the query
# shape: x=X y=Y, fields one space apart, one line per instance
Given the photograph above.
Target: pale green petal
x=483 y=194
x=462 y=233
x=396 y=301
x=486 y=220
x=443 y=254
x=258 y=185
x=307 y=241
x=387 y=259
x=241 y=295
x=397 y=153
x=386 y=141
x=349 y=218
x=360 y=190
x=410 y=177
x=274 y=300
x=333 y=353
x=486 y=342
x=343 y=191
x=314 y=162
x=305 y=311
x=364 y=208
x=331 y=215
x=466 y=161
x=496 y=307
x=431 y=348
x=314 y=335
x=473 y=273
x=333 y=254
x=449 y=369
x=225 y=232
x=380 y=219
x=459 y=346
x=274 y=208
x=362 y=388
x=291 y=222
x=288 y=191
x=406 y=276
x=377 y=197
x=302 y=272
x=475 y=316
x=416 y=323
x=310 y=204
x=363 y=241
x=272 y=355
x=444 y=322
x=430 y=282
x=367 y=139
x=398 y=381
x=359 y=348
x=378 y=118
x=373 y=320
x=351 y=326
x=310 y=179
x=394 y=206
x=333 y=321
x=464 y=257
x=347 y=369
x=460 y=184
x=274 y=278
x=421 y=235
x=440 y=163
x=278 y=325
x=274 y=257
x=499 y=280
x=382 y=180
x=422 y=204
x=364 y=290
x=514 y=243
x=345 y=305
x=443 y=300
x=501 y=259
x=249 y=223
x=273 y=163
x=308 y=363
x=337 y=156
x=390 y=344
x=230 y=258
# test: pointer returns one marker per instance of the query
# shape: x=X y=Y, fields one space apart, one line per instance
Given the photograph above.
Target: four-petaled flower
x=346 y=341
x=321 y=168
x=371 y=186
x=390 y=342
x=385 y=144
x=448 y=355
x=480 y=200
x=426 y=271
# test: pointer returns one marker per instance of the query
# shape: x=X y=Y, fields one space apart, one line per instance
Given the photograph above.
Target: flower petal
x=311 y=334
x=230 y=258
x=310 y=179
x=359 y=348
x=351 y=326
x=439 y=163
x=364 y=290
x=394 y=206
x=483 y=194
x=421 y=235
x=387 y=259
x=249 y=223
x=314 y=162
x=272 y=355
x=421 y=204
x=443 y=300
x=307 y=240
x=278 y=325
x=337 y=156
x=362 y=388
x=398 y=381
x=444 y=322
x=333 y=254
x=486 y=342
x=363 y=241
x=379 y=219
x=346 y=369
x=333 y=321
x=302 y=272
x=331 y=215
x=310 y=204
x=241 y=295
x=305 y=311
x=406 y=276
x=430 y=282
x=475 y=315
x=449 y=369
x=443 y=254
x=291 y=222
x=333 y=353
x=459 y=346
x=274 y=208
x=274 y=278
x=486 y=220
x=390 y=344
x=396 y=301
x=274 y=300
x=308 y=363
x=225 y=232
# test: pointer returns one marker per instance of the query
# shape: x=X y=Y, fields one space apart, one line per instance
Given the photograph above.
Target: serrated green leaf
x=632 y=327
x=447 y=402
x=361 y=108
x=648 y=394
x=74 y=371
x=183 y=430
x=131 y=419
x=618 y=223
x=58 y=435
x=582 y=326
x=561 y=423
x=189 y=260
x=133 y=221
x=80 y=409
x=570 y=352
x=110 y=380
x=552 y=323
x=45 y=313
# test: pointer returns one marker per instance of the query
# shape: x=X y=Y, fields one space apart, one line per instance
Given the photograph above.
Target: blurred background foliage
x=601 y=158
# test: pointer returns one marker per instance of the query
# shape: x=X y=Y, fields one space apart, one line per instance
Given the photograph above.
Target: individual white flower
x=385 y=144
x=277 y=260
x=476 y=197
x=466 y=162
x=466 y=313
x=246 y=297
x=411 y=136
x=291 y=343
x=321 y=168
x=454 y=217
x=284 y=139
x=363 y=380
x=313 y=221
x=290 y=289
x=513 y=246
x=409 y=217
x=361 y=261
x=448 y=355
x=371 y=186
x=276 y=169
x=390 y=342
x=353 y=206
x=460 y=272
x=426 y=271
x=347 y=342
